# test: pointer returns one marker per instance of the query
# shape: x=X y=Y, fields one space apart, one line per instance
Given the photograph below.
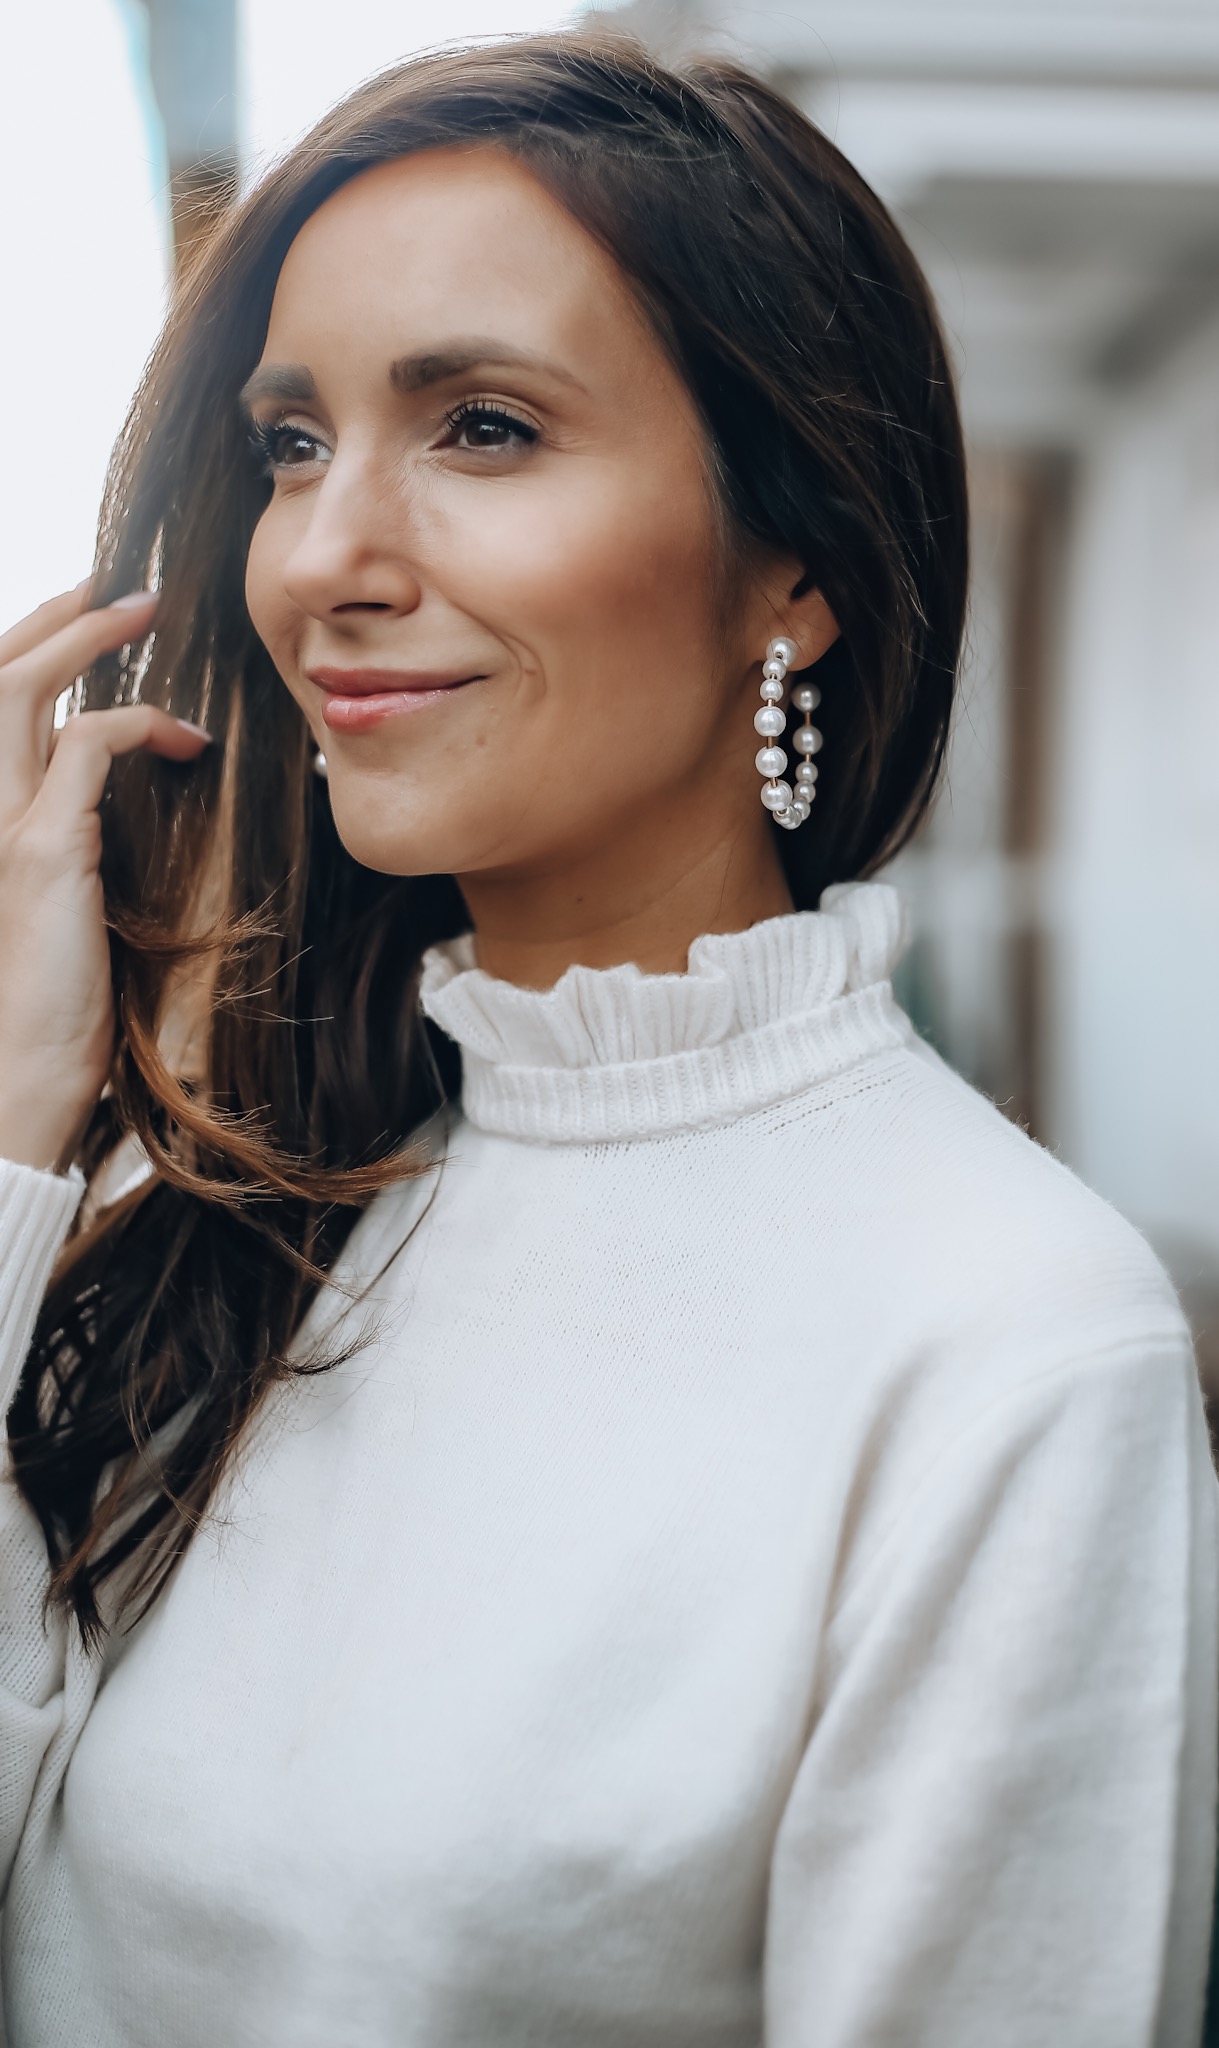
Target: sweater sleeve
x=36 y=1212
x=1002 y=1830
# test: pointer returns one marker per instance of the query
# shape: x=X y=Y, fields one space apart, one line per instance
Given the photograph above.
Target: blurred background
x=1056 y=165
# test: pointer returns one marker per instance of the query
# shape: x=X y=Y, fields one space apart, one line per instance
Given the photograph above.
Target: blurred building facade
x=192 y=63
x=1057 y=169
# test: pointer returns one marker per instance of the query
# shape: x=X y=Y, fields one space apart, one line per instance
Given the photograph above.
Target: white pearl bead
x=807 y=740
x=783 y=650
x=802 y=804
x=320 y=767
x=806 y=697
x=789 y=819
x=772 y=690
x=777 y=796
x=770 y=760
x=773 y=671
x=806 y=774
x=769 y=721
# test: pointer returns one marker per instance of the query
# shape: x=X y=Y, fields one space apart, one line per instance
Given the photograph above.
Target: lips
x=358 y=699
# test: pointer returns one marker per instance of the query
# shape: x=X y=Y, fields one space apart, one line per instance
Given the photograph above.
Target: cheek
x=266 y=599
x=275 y=619
x=613 y=578
x=607 y=596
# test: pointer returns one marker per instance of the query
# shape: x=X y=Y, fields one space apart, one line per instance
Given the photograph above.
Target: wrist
x=41 y=1134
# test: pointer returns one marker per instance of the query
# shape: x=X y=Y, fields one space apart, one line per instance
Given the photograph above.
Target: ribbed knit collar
x=610 y=1053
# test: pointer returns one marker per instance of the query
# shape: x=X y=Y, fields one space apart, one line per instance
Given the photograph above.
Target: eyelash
x=486 y=409
x=265 y=435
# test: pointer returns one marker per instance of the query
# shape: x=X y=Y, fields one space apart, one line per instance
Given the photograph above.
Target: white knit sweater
x=754 y=1584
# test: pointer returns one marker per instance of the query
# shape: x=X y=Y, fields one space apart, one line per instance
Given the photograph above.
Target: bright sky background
x=83 y=253
x=297 y=57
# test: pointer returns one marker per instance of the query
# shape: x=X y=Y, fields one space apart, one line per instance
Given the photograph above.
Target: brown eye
x=488 y=427
x=282 y=447
x=289 y=447
x=485 y=433
x=292 y=448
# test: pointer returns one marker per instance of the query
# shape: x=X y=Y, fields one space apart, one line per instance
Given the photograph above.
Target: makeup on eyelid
x=489 y=416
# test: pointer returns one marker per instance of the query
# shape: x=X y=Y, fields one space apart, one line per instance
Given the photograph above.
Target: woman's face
x=491 y=571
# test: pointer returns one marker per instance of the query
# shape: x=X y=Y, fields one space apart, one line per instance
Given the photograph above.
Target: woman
x=713 y=1540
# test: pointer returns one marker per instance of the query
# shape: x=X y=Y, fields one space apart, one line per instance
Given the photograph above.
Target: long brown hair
x=805 y=330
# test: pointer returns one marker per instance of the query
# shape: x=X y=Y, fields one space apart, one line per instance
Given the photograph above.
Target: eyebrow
x=458 y=358
x=293 y=383
x=290 y=383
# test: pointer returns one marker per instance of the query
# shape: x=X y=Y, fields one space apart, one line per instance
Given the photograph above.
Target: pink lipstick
x=359 y=699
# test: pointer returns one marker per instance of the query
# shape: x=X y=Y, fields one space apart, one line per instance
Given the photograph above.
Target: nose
x=353 y=557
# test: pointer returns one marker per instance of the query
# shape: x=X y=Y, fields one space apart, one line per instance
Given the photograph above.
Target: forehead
x=454 y=240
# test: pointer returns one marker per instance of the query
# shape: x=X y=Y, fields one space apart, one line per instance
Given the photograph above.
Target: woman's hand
x=56 y=1011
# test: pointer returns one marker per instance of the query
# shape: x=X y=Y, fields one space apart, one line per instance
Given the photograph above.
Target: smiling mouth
x=357 y=699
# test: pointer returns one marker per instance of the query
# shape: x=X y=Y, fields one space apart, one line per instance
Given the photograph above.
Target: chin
x=400 y=832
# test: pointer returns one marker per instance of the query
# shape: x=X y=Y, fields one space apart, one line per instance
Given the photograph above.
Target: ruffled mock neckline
x=611 y=1053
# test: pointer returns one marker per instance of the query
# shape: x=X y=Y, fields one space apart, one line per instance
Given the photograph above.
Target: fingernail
x=200 y=731
x=132 y=599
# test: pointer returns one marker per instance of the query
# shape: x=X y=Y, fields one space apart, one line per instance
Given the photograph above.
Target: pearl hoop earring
x=787 y=807
x=319 y=766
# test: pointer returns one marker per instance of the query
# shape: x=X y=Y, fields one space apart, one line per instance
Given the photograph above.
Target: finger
x=49 y=617
x=30 y=684
x=88 y=746
x=55 y=662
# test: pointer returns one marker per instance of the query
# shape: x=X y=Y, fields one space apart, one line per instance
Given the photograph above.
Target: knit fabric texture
x=752 y=1584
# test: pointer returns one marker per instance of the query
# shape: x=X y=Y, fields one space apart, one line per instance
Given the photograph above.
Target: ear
x=802 y=616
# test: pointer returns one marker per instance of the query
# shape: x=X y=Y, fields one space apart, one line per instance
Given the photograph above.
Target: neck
x=634 y=905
